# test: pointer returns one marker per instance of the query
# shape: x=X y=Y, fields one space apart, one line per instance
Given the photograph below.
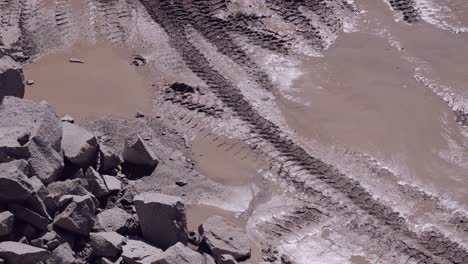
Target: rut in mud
x=323 y=191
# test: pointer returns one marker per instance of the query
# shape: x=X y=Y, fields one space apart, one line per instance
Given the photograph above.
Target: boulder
x=37 y=201
x=106 y=244
x=14 y=182
x=169 y=214
x=63 y=254
x=227 y=259
x=6 y=223
x=31 y=131
x=108 y=158
x=69 y=187
x=96 y=183
x=139 y=252
x=180 y=254
x=78 y=215
x=221 y=238
x=80 y=146
x=28 y=216
x=113 y=184
x=114 y=219
x=137 y=152
x=11 y=78
x=14 y=252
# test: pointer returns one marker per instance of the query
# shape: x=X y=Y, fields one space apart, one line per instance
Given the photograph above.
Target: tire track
x=407 y=8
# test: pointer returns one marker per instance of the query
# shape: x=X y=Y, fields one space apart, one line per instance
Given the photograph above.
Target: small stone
x=6 y=223
x=80 y=146
x=113 y=184
x=53 y=244
x=109 y=159
x=114 y=219
x=139 y=115
x=30 y=82
x=181 y=183
x=106 y=244
x=137 y=152
x=14 y=252
x=68 y=118
x=75 y=60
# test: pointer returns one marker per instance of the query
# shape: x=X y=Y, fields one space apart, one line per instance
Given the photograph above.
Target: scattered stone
x=182 y=88
x=106 y=244
x=137 y=152
x=75 y=60
x=63 y=254
x=68 y=118
x=6 y=223
x=227 y=259
x=114 y=219
x=139 y=252
x=11 y=78
x=113 y=184
x=139 y=115
x=80 y=147
x=169 y=214
x=96 y=183
x=180 y=254
x=14 y=252
x=22 y=117
x=181 y=183
x=30 y=82
x=109 y=159
x=221 y=237
x=28 y=216
x=14 y=183
x=78 y=215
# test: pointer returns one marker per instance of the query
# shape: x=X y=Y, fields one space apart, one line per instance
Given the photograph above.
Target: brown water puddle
x=359 y=260
x=105 y=84
x=362 y=95
x=197 y=214
x=225 y=161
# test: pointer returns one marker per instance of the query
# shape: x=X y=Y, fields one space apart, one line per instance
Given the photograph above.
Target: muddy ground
x=332 y=130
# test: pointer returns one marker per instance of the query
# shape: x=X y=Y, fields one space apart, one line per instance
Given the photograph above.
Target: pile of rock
x=56 y=184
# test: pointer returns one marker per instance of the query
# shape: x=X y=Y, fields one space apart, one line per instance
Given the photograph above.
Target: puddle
x=197 y=214
x=225 y=161
x=105 y=84
x=359 y=260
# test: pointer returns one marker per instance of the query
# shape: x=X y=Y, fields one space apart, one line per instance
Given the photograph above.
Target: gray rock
x=114 y=219
x=37 y=201
x=75 y=60
x=113 y=184
x=28 y=216
x=69 y=187
x=137 y=152
x=11 y=78
x=168 y=212
x=180 y=254
x=30 y=82
x=221 y=238
x=14 y=183
x=31 y=131
x=109 y=159
x=209 y=259
x=2 y=261
x=97 y=186
x=80 y=146
x=78 y=215
x=14 y=252
x=6 y=223
x=63 y=254
x=68 y=118
x=106 y=261
x=106 y=244
x=227 y=259
x=139 y=252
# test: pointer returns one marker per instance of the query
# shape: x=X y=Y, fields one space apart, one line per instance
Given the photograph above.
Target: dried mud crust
x=322 y=183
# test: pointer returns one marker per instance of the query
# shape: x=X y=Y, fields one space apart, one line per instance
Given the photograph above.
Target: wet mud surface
x=357 y=107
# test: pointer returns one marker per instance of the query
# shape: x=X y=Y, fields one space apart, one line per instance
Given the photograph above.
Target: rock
x=180 y=254
x=114 y=219
x=69 y=187
x=137 y=152
x=182 y=88
x=181 y=183
x=75 y=60
x=97 y=186
x=106 y=261
x=106 y=244
x=221 y=237
x=14 y=252
x=68 y=118
x=14 y=183
x=63 y=254
x=31 y=131
x=78 y=215
x=109 y=159
x=139 y=115
x=11 y=78
x=80 y=147
x=2 y=261
x=6 y=223
x=227 y=259
x=113 y=184
x=169 y=214
x=139 y=252
x=37 y=201
x=30 y=82
x=28 y=216
x=53 y=244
